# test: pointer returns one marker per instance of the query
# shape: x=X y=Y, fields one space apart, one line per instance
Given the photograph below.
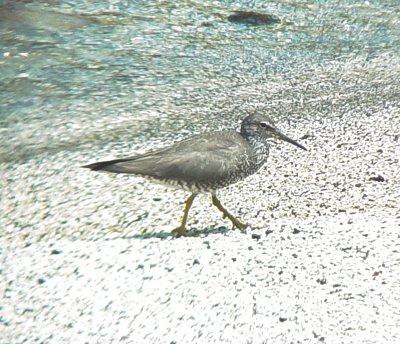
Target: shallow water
x=79 y=75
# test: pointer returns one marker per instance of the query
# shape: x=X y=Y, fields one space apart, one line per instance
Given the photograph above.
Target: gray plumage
x=205 y=162
x=202 y=163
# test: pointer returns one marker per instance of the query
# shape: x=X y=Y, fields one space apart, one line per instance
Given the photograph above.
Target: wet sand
x=319 y=262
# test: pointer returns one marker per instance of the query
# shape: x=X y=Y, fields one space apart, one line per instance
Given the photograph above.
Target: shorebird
x=205 y=163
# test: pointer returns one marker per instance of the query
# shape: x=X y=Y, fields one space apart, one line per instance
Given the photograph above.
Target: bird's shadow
x=194 y=232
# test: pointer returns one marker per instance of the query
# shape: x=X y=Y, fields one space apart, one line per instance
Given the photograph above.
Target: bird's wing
x=205 y=157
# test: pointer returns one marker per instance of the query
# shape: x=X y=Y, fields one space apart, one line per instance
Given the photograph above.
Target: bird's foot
x=179 y=231
x=235 y=222
x=240 y=225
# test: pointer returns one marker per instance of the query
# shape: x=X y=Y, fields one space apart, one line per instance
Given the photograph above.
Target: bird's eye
x=265 y=125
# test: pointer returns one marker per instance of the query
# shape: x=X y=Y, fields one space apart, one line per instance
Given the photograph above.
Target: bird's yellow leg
x=234 y=220
x=181 y=230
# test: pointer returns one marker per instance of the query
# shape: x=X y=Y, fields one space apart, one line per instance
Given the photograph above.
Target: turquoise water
x=76 y=75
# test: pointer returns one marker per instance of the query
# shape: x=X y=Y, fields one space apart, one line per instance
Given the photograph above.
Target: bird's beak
x=283 y=137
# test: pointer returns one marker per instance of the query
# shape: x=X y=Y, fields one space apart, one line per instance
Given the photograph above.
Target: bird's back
x=203 y=162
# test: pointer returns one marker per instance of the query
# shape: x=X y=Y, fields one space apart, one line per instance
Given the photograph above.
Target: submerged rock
x=253 y=18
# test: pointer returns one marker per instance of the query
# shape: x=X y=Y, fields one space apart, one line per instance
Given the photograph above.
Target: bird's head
x=262 y=126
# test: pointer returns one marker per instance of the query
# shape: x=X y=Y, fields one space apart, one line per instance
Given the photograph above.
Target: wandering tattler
x=206 y=162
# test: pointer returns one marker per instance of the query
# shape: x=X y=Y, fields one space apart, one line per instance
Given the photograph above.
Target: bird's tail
x=106 y=165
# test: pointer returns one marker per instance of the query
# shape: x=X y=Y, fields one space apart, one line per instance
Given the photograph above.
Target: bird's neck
x=260 y=147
